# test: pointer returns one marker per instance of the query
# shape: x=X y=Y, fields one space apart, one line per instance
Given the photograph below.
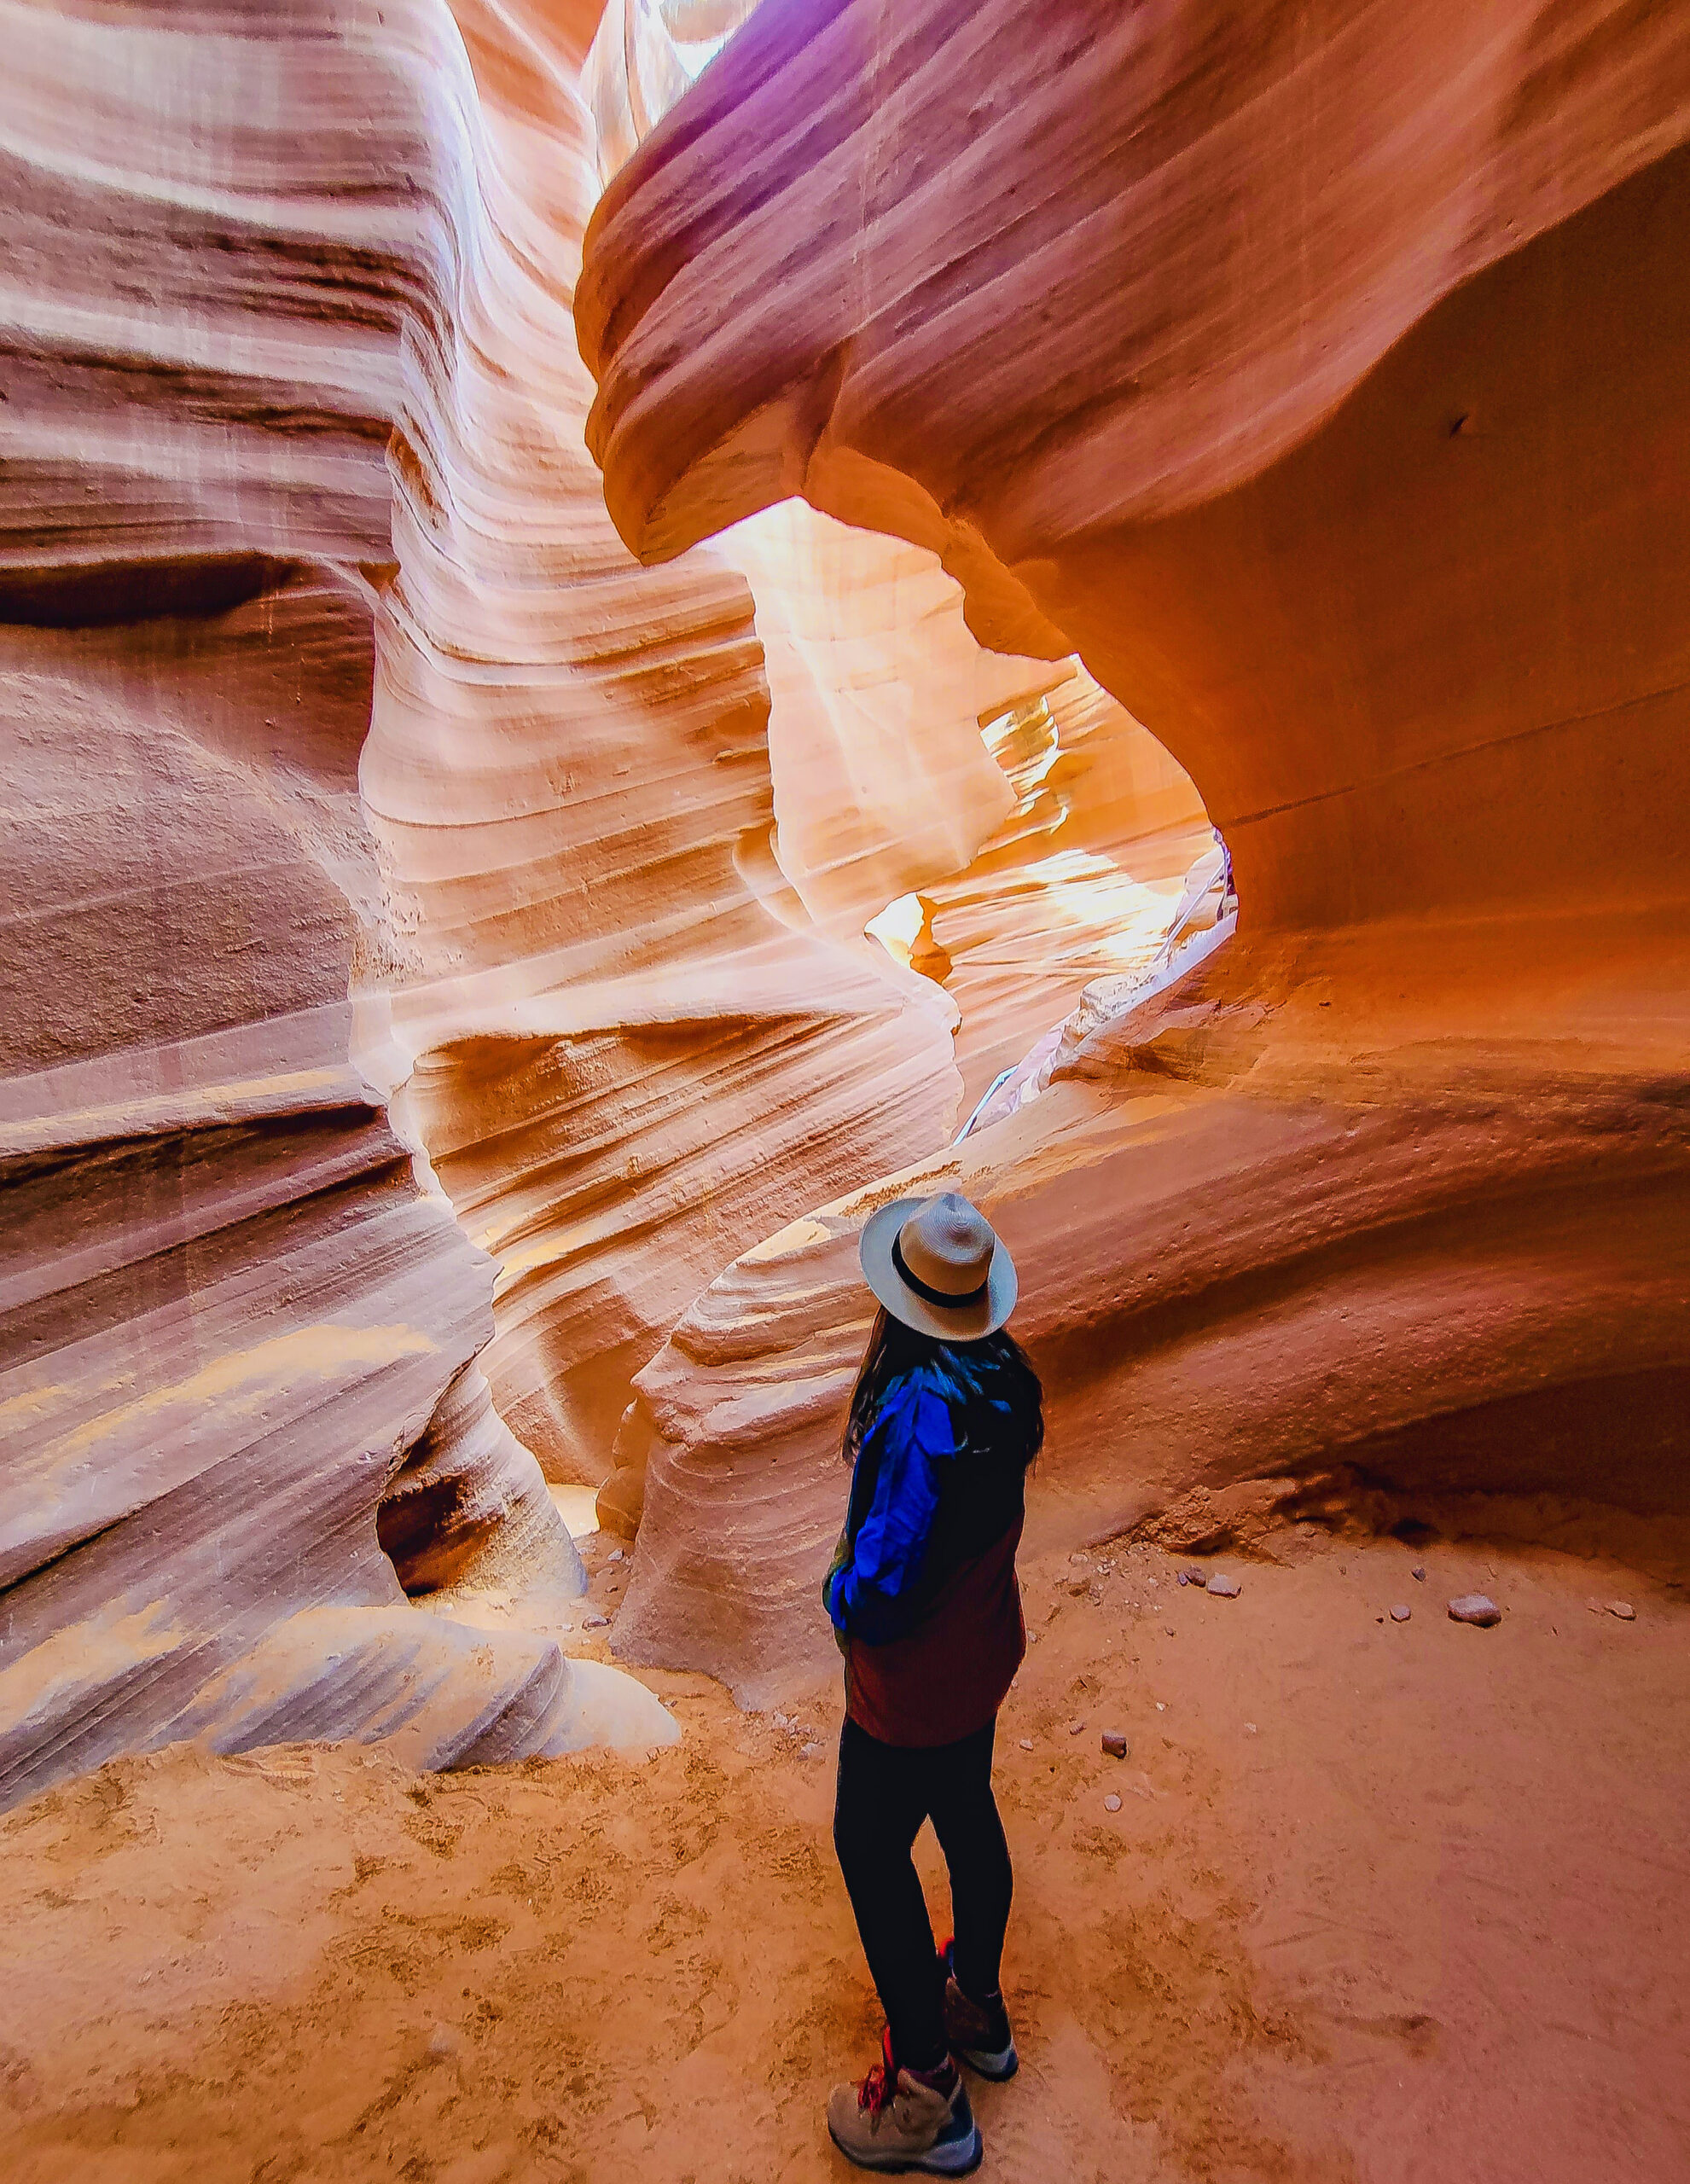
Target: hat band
x=952 y=1300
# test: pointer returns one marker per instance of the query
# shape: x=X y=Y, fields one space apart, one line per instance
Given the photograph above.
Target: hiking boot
x=898 y=2120
x=978 y=2032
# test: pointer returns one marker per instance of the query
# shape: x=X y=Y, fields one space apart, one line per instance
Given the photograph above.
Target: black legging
x=884 y=1792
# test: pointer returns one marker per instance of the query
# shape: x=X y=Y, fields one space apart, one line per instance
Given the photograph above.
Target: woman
x=945 y=1421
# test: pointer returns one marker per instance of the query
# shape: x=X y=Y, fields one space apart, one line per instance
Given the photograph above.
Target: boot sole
x=997 y=2068
x=960 y=2159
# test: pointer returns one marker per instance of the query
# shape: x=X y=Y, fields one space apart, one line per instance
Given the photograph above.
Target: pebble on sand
x=1401 y=1614
x=1115 y=1743
x=1227 y=1588
x=1419 y=1570
x=1074 y=1727
x=1111 y=1803
x=1475 y=1607
x=1193 y=1577
x=443 y=2040
x=1026 y=1743
x=1624 y=1610
x=596 y=1623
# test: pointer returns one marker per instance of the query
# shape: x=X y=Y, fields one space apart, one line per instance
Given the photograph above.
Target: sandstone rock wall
x=1317 y=380
x=878 y=692
x=1300 y=372
x=235 y=1328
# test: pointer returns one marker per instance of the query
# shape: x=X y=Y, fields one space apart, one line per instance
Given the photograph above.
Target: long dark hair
x=990 y=1384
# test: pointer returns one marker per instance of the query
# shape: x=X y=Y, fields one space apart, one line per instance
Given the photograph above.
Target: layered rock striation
x=626 y=1045
x=238 y=1343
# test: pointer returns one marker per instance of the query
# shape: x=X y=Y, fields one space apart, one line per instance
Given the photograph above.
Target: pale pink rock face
x=236 y=1328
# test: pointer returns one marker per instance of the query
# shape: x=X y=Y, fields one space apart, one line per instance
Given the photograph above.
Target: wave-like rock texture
x=626 y=1048
x=879 y=693
x=238 y=1338
x=644 y=56
x=1320 y=383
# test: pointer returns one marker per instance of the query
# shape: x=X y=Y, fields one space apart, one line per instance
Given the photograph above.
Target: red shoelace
x=877 y=2088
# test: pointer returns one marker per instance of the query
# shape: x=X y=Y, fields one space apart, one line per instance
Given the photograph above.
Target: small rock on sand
x=1227 y=1588
x=615 y=1556
x=1624 y=1610
x=1419 y=1570
x=810 y=1751
x=1074 y=1727
x=443 y=2040
x=1401 y=1614
x=1026 y=1743
x=596 y=1623
x=1197 y=1578
x=1111 y=1803
x=1115 y=1743
x=1475 y=1607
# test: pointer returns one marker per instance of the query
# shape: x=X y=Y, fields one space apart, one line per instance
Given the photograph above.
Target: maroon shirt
x=951 y=1674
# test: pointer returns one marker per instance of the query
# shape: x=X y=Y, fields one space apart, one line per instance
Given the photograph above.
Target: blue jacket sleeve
x=867 y=1596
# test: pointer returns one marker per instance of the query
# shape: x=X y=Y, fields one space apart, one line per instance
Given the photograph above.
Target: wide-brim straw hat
x=937 y=1265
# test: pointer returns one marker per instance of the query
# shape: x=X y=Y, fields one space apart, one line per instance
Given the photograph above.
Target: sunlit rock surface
x=1078 y=885
x=892 y=812
x=626 y=1048
x=1320 y=387
x=1365 y=501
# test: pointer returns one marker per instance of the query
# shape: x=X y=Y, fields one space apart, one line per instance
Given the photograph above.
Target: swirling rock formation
x=883 y=790
x=1030 y=317
x=1318 y=383
x=235 y=1328
x=625 y=1048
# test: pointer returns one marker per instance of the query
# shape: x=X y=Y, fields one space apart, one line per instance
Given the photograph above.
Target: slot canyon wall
x=241 y=1342
x=433 y=942
x=291 y=422
x=1317 y=378
x=443 y=1057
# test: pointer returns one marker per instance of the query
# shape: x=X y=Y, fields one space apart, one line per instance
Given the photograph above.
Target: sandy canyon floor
x=1381 y=1900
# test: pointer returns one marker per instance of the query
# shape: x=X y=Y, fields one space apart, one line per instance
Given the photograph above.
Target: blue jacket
x=937 y=1482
